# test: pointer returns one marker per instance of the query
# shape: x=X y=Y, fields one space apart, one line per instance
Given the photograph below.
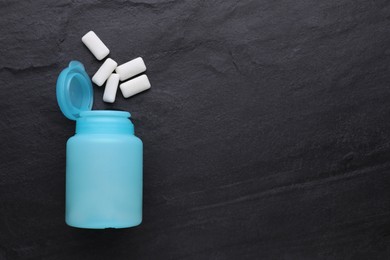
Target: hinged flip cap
x=74 y=90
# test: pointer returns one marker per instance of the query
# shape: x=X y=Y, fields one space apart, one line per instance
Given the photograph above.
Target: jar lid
x=74 y=90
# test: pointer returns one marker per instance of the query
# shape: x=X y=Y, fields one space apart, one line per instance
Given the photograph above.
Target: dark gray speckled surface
x=266 y=131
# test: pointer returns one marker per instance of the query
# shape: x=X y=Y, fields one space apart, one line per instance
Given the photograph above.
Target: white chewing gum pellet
x=111 y=88
x=104 y=72
x=131 y=68
x=135 y=86
x=95 y=45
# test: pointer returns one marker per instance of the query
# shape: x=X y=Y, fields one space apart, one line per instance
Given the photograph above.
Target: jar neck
x=104 y=122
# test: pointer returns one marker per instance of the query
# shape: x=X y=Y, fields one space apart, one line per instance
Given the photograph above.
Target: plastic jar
x=103 y=159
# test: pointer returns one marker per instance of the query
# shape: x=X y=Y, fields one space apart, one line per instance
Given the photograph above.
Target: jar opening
x=104 y=121
x=105 y=113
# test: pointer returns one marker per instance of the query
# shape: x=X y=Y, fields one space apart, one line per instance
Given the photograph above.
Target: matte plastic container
x=103 y=159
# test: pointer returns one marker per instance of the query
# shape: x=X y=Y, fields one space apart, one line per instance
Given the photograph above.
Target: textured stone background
x=266 y=131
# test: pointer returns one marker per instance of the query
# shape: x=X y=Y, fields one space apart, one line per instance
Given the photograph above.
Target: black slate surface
x=266 y=131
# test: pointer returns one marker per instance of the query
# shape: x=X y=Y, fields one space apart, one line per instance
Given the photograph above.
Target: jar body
x=104 y=179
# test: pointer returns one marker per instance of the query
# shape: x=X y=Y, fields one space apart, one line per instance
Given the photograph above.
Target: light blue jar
x=103 y=159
